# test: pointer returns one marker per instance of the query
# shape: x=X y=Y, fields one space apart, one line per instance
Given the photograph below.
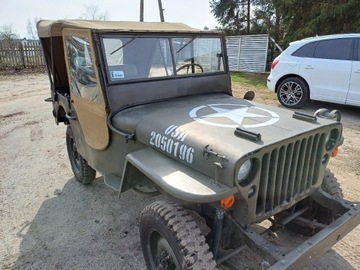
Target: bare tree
x=92 y=12
x=31 y=28
x=8 y=34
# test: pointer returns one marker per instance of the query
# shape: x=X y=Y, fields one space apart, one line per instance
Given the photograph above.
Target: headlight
x=327 y=138
x=332 y=139
x=244 y=170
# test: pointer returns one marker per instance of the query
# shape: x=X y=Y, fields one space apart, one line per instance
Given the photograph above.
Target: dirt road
x=49 y=221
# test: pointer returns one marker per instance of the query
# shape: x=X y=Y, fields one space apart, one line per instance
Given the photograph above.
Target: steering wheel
x=190 y=65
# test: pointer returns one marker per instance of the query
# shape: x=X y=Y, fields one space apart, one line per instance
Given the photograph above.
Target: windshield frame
x=134 y=35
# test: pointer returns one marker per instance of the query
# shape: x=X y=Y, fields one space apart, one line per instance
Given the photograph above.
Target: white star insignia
x=236 y=115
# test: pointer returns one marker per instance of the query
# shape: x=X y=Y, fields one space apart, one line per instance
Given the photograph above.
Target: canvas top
x=49 y=28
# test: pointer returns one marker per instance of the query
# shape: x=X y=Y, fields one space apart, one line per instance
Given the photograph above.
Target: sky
x=195 y=13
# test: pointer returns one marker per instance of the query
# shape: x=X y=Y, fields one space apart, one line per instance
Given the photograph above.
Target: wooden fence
x=21 y=55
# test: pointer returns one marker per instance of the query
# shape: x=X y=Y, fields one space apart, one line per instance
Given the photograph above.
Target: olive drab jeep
x=149 y=106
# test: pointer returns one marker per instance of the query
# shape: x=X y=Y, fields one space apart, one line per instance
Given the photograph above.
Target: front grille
x=289 y=172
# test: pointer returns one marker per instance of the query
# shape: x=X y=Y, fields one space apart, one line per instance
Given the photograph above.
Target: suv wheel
x=170 y=239
x=81 y=169
x=293 y=92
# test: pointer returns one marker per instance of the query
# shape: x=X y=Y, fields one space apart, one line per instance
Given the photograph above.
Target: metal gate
x=247 y=53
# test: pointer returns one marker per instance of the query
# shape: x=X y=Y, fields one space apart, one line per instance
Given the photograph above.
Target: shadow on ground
x=84 y=227
x=89 y=227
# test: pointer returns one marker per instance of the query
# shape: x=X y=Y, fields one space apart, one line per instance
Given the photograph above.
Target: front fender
x=174 y=178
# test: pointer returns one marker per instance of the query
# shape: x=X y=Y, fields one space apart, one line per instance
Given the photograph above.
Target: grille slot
x=288 y=172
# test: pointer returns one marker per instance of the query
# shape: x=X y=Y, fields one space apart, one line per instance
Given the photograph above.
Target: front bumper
x=320 y=242
x=278 y=257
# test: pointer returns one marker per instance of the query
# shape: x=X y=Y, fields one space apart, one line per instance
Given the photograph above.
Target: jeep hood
x=200 y=130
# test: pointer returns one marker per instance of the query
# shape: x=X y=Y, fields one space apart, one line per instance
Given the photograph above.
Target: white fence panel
x=247 y=53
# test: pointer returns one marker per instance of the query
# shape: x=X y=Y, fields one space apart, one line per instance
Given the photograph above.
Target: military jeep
x=149 y=106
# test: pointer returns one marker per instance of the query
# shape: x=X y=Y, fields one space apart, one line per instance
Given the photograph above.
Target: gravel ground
x=49 y=221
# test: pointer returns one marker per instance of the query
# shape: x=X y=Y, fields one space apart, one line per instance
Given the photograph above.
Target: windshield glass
x=143 y=57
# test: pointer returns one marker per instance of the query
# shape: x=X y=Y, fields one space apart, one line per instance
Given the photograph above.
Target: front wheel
x=81 y=169
x=170 y=239
x=293 y=92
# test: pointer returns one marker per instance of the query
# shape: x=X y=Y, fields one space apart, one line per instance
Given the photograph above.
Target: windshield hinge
x=305 y=117
x=252 y=136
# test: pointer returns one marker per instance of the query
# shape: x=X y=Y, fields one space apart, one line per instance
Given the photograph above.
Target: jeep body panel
x=192 y=118
x=88 y=112
x=178 y=180
x=129 y=95
x=151 y=103
x=201 y=135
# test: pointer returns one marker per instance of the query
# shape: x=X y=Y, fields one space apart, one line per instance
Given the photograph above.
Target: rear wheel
x=170 y=239
x=293 y=92
x=81 y=169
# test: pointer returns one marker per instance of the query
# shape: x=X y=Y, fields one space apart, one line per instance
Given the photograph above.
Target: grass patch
x=242 y=82
x=253 y=79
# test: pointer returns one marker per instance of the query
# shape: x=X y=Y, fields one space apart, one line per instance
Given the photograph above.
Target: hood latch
x=209 y=152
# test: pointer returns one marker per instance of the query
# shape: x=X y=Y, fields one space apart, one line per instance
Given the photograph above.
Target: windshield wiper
x=182 y=47
x=122 y=46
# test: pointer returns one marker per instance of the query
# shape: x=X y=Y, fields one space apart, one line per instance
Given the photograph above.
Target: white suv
x=325 y=68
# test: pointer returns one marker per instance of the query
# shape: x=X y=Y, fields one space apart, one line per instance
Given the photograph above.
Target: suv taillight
x=274 y=63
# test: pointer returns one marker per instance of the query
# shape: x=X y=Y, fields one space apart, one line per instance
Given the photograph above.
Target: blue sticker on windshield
x=117 y=74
